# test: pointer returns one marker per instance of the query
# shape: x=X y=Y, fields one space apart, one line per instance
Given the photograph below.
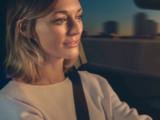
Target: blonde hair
x=25 y=58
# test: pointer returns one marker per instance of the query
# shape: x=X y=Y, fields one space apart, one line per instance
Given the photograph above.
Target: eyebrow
x=65 y=12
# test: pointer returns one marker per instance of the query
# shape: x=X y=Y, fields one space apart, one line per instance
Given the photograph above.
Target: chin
x=72 y=55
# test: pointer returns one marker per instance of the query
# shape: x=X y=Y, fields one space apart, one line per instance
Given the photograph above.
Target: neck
x=52 y=72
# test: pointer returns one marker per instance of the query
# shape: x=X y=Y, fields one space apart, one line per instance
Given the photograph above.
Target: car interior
x=139 y=89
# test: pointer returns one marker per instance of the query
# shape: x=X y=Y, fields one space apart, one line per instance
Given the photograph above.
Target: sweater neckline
x=54 y=84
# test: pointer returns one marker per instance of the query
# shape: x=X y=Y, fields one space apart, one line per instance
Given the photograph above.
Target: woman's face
x=59 y=32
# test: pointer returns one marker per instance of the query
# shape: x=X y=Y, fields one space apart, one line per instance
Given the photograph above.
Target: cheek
x=50 y=35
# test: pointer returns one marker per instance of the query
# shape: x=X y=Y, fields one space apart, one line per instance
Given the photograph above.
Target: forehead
x=67 y=5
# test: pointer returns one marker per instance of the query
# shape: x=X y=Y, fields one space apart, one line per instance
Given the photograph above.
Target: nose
x=75 y=27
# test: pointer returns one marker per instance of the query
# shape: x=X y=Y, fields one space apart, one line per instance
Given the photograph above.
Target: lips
x=71 y=42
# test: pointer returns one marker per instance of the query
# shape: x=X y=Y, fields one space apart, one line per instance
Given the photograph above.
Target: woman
x=42 y=44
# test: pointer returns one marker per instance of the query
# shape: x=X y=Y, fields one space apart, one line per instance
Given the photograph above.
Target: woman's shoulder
x=6 y=89
x=93 y=80
x=11 y=91
x=14 y=104
x=8 y=95
x=92 y=77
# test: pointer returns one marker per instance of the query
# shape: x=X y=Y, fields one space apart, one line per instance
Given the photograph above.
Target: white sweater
x=19 y=101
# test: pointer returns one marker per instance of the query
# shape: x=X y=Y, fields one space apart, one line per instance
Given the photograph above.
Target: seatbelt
x=79 y=97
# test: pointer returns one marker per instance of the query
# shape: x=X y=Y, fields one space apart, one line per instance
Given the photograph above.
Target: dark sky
x=96 y=12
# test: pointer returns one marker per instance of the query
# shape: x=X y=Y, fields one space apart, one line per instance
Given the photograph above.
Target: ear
x=21 y=25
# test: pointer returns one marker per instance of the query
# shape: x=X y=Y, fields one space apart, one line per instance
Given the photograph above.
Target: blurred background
x=2 y=42
x=119 y=34
x=2 y=30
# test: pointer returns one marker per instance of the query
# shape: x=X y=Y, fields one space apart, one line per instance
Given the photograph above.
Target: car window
x=119 y=34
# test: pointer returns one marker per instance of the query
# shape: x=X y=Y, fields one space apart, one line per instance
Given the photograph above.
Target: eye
x=60 y=20
x=79 y=17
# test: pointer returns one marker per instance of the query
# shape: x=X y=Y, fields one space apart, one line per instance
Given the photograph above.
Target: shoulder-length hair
x=25 y=58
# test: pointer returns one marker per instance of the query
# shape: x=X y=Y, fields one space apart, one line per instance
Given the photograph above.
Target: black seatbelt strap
x=79 y=97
